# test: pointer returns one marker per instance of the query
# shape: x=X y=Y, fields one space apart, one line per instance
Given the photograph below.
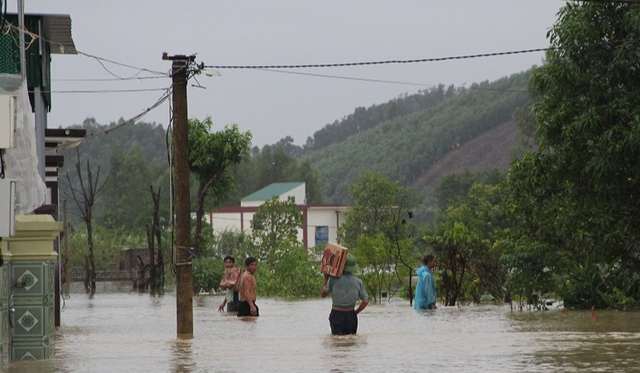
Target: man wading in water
x=247 y=305
x=345 y=291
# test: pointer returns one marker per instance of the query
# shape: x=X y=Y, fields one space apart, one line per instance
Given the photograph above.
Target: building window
x=322 y=234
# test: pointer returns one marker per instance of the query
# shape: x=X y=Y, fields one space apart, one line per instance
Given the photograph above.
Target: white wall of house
x=231 y=221
x=321 y=224
x=319 y=218
x=324 y=217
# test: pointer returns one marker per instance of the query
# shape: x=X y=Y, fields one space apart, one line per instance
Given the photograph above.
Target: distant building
x=320 y=223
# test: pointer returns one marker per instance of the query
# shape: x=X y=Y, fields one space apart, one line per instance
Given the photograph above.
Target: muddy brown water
x=128 y=332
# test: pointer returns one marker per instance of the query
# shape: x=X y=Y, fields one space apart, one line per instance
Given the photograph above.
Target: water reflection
x=137 y=333
x=182 y=356
x=338 y=349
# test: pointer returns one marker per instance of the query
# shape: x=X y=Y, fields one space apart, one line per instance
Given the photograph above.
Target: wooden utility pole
x=184 y=286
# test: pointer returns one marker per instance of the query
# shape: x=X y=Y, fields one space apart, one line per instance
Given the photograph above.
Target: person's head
x=251 y=264
x=350 y=265
x=429 y=261
x=229 y=261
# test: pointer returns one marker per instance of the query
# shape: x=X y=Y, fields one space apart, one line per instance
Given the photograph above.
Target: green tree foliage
x=579 y=191
x=532 y=268
x=108 y=242
x=464 y=236
x=276 y=222
x=127 y=190
x=375 y=231
x=285 y=267
x=375 y=200
x=207 y=273
x=211 y=156
x=375 y=253
x=232 y=242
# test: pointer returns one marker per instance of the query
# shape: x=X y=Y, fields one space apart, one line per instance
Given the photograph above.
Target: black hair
x=427 y=259
x=229 y=257
x=250 y=260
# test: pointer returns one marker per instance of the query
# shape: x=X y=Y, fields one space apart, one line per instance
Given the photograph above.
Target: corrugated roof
x=57 y=30
x=268 y=192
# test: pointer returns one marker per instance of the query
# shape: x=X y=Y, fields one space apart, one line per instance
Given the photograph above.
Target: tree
x=85 y=199
x=470 y=222
x=276 y=222
x=288 y=270
x=126 y=194
x=211 y=156
x=374 y=201
x=154 y=234
x=375 y=230
x=579 y=191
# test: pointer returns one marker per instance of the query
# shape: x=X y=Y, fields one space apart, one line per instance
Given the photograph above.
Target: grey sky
x=284 y=32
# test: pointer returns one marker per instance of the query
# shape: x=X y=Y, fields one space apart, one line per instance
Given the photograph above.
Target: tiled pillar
x=32 y=291
x=4 y=308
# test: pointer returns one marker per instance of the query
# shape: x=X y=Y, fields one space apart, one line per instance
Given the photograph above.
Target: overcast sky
x=274 y=104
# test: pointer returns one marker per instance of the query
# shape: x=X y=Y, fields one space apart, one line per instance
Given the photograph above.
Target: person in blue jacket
x=426 y=287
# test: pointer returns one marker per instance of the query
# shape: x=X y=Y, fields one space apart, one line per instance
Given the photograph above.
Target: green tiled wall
x=33 y=320
x=4 y=319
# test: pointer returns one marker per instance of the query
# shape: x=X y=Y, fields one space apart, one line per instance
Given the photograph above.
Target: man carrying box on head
x=345 y=292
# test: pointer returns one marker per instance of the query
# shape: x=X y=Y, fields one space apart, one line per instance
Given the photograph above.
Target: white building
x=320 y=222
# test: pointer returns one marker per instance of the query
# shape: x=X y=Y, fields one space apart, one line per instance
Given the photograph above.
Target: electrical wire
x=101 y=60
x=386 y=62
x=107 y=79
x=109 y=90
x=133 y=119
x=348 y=78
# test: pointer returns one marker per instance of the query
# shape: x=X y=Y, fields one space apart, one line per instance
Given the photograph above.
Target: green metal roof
x=268 y=192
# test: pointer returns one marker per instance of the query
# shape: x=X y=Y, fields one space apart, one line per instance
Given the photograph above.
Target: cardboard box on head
x=230 y=278
x=333 y=259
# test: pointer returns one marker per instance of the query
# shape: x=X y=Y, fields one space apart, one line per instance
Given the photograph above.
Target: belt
x=343 y=309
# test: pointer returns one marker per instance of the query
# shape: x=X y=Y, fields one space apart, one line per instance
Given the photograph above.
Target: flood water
x=131 y=332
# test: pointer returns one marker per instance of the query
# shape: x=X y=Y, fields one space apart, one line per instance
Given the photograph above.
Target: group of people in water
x=345 y=292
x=240 y=294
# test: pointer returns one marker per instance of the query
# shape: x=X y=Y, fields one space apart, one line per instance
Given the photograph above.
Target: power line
x=109 y=90
x=107 y=79
x=348 y=78
x=133 y=119
x=386 y=62
x=141 y=69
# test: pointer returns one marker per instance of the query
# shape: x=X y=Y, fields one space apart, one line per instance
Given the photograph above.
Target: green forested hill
x=405 y=148
x=363 y=119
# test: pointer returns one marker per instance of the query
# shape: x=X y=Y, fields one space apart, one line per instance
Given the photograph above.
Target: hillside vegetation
x=405 y=148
